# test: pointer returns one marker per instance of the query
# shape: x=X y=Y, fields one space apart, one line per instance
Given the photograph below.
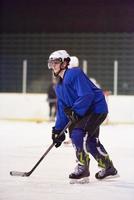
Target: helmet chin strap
x=57 y=74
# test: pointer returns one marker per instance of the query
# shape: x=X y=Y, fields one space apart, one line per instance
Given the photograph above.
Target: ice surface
x=22 y=145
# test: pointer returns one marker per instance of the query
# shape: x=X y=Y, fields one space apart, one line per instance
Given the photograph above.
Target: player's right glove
x=71 y=114
x=57 y=138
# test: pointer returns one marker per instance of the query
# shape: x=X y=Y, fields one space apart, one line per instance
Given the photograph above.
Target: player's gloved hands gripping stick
x=57 y=138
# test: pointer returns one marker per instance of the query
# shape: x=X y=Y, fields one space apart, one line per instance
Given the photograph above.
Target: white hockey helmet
x=60 y=55
x=74 y=62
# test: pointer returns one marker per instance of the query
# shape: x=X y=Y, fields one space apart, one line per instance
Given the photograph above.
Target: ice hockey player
x=80 y=101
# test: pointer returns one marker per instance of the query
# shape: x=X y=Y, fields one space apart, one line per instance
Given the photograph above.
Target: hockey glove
x=57 y=138
x=71 y=114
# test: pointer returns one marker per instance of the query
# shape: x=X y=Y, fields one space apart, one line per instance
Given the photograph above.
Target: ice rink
x=23 y=143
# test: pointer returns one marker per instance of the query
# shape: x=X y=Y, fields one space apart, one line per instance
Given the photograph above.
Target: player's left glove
x=57 y=138
x=71 y=114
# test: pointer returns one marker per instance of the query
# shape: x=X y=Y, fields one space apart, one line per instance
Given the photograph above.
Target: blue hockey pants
x=87 y=141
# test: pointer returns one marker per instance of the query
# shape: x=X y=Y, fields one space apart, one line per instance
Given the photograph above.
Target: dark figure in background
x=52 y=100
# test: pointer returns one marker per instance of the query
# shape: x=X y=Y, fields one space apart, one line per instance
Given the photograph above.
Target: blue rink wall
x=34 y=107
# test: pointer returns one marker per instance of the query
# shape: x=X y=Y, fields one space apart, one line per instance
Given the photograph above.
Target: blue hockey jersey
x=78 y=92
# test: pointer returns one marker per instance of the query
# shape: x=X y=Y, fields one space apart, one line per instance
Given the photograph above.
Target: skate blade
x=79 y=181
x=112 y=176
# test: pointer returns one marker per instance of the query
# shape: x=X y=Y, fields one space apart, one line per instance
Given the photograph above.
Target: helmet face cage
x=52 y=62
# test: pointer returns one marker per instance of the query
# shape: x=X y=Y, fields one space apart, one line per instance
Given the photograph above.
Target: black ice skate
x=109 y=172
x=80 y=175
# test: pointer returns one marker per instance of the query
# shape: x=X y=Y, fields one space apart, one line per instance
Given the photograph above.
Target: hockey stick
x=26 y=174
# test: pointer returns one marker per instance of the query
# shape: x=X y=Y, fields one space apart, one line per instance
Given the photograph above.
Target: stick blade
x=16 y=173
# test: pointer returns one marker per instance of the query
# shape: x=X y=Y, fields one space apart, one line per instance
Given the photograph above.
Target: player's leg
x=82 y=168
x=97 y=150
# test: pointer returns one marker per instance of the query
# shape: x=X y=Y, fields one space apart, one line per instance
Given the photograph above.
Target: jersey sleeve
x=85 y=94
x=61 y=118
